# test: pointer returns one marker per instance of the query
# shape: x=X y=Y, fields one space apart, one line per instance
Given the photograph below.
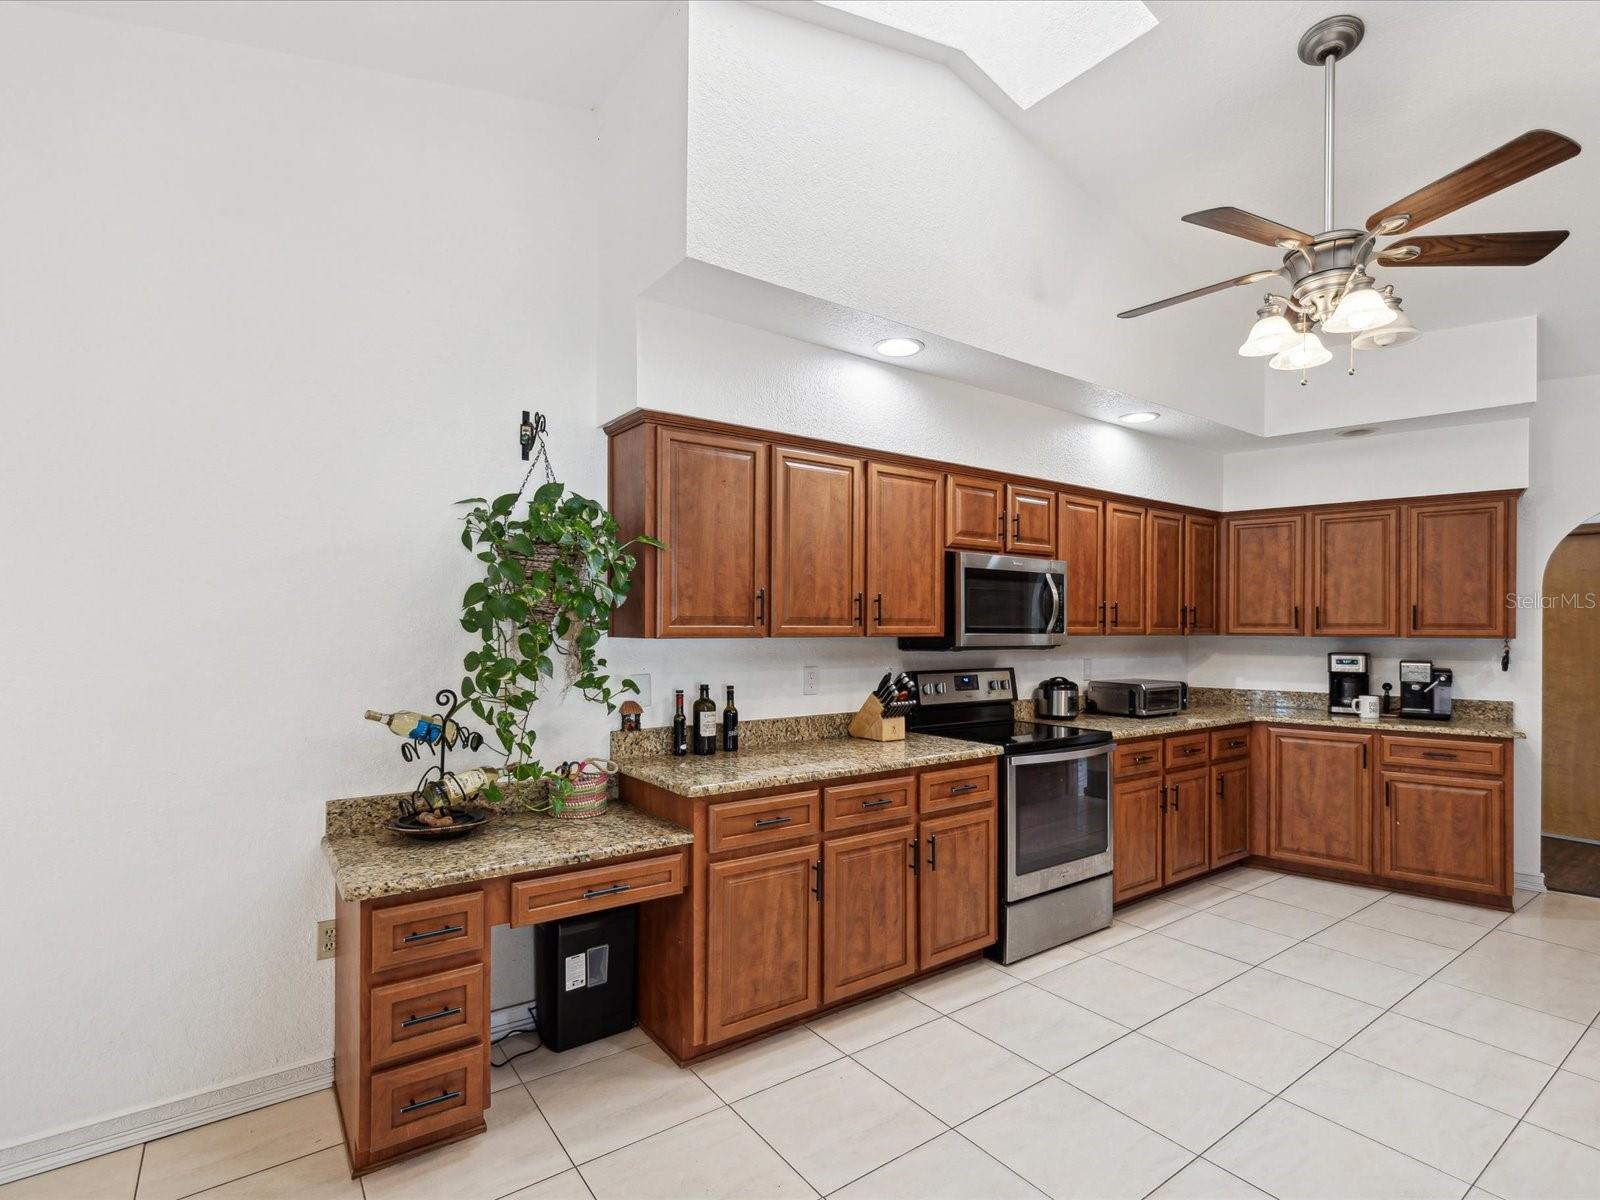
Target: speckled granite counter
x=797 y=762
x=1216 y=716
x=370 y=864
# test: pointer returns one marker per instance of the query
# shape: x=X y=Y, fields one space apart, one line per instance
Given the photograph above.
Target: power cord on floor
x=532 y=1027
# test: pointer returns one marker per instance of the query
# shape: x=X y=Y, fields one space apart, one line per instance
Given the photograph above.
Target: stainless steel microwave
x=999 y=601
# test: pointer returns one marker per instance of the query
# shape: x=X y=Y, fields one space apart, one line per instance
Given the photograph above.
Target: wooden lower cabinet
x=1444 y=830
x=1136 y=820
x=1320 y=798
x=869 y=911
x=1230 y=812
x=959 y=909
x=1161 y=823
x=763 y=940
x=1185 y=845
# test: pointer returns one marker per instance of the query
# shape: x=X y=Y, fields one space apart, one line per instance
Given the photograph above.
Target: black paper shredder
x=583 y=976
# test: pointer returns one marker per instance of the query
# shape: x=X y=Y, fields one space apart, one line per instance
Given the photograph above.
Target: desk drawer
x=552 y=897
x=958 y=787
x=740 y=824
x=1442 y=754
x=424 y=1015
x=427 y=929
x=853 y=804
x=1131 y=759
x=1187 y=750
x=429 y=1098
x=1230 y=743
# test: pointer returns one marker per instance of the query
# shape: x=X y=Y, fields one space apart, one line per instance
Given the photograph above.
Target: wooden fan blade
x=1239 y=281
x=1472 y=249
x=1252 y=228
x=1535 y=151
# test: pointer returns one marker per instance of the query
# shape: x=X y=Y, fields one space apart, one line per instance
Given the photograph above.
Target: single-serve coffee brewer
x=1348 y=677
x=1425 y=690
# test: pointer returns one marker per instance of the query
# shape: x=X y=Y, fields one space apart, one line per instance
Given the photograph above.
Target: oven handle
x=1049 y=756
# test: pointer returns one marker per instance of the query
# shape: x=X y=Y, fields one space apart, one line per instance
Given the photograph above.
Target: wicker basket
x=591 y=788
x=542 y=559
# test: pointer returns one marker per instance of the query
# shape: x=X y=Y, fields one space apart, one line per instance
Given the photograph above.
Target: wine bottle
x=455 y=788
x=680 y=726
x=730 y=724
x=414 y=725
x=705 y=722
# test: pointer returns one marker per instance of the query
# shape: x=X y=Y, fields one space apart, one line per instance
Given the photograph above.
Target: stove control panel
x=965 y=687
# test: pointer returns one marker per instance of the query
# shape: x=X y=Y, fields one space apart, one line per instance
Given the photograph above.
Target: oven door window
x=1059 y=822
x=1009 y=602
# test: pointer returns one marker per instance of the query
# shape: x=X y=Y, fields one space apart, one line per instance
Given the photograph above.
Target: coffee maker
x=1425 y=690
x=1347 y=678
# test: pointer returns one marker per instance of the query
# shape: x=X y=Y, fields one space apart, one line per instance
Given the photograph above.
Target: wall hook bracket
x=1505 y=655
x=529 y=432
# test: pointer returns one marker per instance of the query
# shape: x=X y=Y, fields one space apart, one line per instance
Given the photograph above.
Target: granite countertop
x=1216 y=716
x=797 y=762
x=376 y=863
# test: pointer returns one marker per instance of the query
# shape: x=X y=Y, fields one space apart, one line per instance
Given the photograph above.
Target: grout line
x=248 y=1174
x=138 y=1172
x=740 y=1117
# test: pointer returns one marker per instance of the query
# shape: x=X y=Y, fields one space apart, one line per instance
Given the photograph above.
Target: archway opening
x=1570 y=783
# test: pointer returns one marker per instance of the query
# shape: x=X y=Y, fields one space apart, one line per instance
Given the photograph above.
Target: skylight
x=1029 y=48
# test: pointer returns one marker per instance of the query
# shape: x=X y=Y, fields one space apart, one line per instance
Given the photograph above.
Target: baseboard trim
x=143 y=1125
x=1530 y=883
x=504 y=1020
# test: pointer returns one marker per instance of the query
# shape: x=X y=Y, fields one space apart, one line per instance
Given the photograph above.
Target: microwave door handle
x=1055 y=601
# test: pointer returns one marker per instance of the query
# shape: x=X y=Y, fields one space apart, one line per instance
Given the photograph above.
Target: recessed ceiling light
x=1354 y=432
x=898 y=347
x=1138 y=418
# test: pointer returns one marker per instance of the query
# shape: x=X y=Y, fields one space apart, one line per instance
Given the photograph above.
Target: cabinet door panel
x=1445 y=830
x=1136 y=820
x=975 y=513
x=905 y=551
x=1186 y=848
x=1030 y=521
x=713 y=521
x=1200 y=553
x=1456 y=568
x=1264 y=577
x=1355 y=573
x=1230 y=811
x=1125 y=564
x=818 y=544
x=960 y=888
x=1080 y=541
x=1321 y=798
x=763 y=941
x=1163 y=572
x=869 y=912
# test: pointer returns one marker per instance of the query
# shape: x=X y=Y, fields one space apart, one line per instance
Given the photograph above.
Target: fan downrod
x=1336 y=37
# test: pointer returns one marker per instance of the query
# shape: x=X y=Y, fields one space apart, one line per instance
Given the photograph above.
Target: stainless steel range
x=1055 y=808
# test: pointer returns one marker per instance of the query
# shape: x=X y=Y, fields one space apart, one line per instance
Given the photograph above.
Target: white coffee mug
x=1367 y=708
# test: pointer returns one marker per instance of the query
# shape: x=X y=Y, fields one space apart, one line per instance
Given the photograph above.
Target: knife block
x=870 y=725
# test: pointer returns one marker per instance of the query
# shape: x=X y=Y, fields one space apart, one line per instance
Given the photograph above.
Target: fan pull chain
x=1352 y=369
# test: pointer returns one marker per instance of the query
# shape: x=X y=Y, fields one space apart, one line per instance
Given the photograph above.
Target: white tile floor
x=1252 y=1035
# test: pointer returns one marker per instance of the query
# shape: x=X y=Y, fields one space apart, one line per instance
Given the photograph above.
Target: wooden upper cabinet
x=1200 y=562
x=959 y=908
x=1448 y=831
x=869 y=911
x=1458 y=568
x=1030 y=521
x=1264 y=574
x=905 y=551
x=1137 y=813
x=1164 y=604
x=763 y=941
x=819 y=529
x=1125 y=568
x=1319 y=794
x=1080 y=538
x=975 y=513
x=1355 y=572
x=1186 y=841
x=712 y=492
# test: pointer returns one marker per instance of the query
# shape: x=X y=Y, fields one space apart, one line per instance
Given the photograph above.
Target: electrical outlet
x=811 y=681
x=327 y=939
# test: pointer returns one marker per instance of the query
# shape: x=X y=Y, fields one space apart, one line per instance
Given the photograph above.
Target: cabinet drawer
x=738 y=824
x=1131 y=759
x=957 y=787
x=1187 y=750
x=1230 y=743
x=1443 y=754
x=423 y=1015
x=428 y=929
x=552 y=897
x=429 y=1098
x=877 y=800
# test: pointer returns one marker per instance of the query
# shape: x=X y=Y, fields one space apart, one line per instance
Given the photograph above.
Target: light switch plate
x=811 y=681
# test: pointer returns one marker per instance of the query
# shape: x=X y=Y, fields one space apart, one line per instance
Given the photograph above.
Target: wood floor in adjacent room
x=1571 y=866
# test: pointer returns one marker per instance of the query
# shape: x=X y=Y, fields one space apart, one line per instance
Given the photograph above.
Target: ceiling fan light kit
x=1330 y=284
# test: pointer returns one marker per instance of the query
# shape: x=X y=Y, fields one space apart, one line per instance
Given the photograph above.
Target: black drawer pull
x=1236 y=743
x=423 y=1020
x=442 y=931
x=1141 y=758
x=961 y=789
x=441 y=1098
x=608 y=891
x=1439 y=754
x=878 y=803
x=1187 y=750
x=770 y=822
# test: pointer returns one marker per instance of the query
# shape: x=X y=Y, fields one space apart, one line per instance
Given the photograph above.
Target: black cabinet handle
x=860 y=603
x=1363 y=756
x=1413 y=616
x=933 y=852
x=1163 y=799
x=816 y=879
x=423 y=1020
x=442 y=931
x=1141 y=758
x=1016 y=526
x=1316 y=616
x=1114 y=604
x=877 y=602
x=1183 y=617
x=913 y=843
x=1102 y=621
x=878 y=803
x=1220 y=779
x=769 y=822
x=1190 y=750
x=961 y=789
x=1000 y=526
x=606 y=891
x=1297 y=616
x=761 y=606
x=1438 y=754
x=441 y=1098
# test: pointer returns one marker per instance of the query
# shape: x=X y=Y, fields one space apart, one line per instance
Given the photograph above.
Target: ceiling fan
x=1331 y=285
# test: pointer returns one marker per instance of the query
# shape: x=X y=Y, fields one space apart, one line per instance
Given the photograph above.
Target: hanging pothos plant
x=552 y=574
